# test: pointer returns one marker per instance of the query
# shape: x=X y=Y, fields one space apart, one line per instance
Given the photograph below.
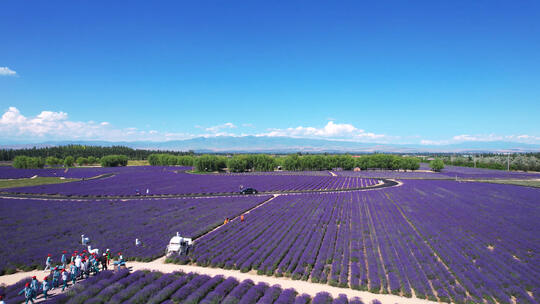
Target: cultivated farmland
x=170 y=180
x=440 y=239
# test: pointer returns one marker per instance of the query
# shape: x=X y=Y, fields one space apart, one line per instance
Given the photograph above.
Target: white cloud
x=216 y=129
x=5 y=71
x=56 y=125
x=331 y=130
x=12 y=116
x=488 y=137
x=51 y=125
x=523 y=138
x=428 y=142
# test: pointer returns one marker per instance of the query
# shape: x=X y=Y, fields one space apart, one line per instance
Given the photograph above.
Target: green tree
x=185 y=160
x=69 y=161
x=114 y=161
x=81 y=161
x=153 y=159
x=25 y=162
x=437 y=165
x=292 y=162
x=237 y=163
x=263 y=162
x=411 y=163
x=210 y=163
x=53 y=161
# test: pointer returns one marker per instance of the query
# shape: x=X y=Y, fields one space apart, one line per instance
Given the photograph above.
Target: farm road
x=300 y=286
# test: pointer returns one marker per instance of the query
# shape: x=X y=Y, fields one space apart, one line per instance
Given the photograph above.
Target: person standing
x=78 y=264
x=242 y=218
x=104 y=261
x=64 y=279
x=34 y=284
x=96 y=266
x=28 y=293
x=108 y=257
x=56 y=277
x=63 y=259
x=45 y=286
x=48 y=263
x=82 y=269
x=2 y=300
x=73 y=273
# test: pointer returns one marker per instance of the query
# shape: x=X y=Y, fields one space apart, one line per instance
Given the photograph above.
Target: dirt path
x=300 y=286
x=237 y=217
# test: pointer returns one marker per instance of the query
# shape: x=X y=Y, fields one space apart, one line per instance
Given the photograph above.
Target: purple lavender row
x=486 y=236
x=177 y=287
x=446 y=173
x=466 y=172
x=320 y=236
x=160 y=181
x=14 y=173
x=45 y=227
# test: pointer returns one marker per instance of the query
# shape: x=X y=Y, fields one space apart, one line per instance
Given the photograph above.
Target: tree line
x=295 y=162
x=28 y=162
x=518 y=161
x=292 y=162
x=76 y=151
x=164 y=159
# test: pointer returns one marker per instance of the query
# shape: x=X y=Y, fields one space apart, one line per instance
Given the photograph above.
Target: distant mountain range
x=287 y=145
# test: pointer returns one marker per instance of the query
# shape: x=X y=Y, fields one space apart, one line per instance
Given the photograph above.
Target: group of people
x=79 y=266
x=31 y=289
x=227 y=220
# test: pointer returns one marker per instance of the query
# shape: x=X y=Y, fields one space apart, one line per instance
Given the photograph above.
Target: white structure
x=90 y=250
x=85 y=240
x=178 y=245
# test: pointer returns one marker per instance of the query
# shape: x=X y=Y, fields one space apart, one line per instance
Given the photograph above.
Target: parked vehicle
x=249 y=191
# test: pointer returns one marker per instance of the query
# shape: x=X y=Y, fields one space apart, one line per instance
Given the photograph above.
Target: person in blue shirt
x=28 y=293
x=74 y=271
x=48 y=263
x=56 y=277
x=63 y=259
x=96 y=266
x=34 y=284
x=46 y=286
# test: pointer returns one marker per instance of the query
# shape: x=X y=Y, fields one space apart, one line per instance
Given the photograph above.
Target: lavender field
x=440 y=240
x=8 y=172
x=176 y=287
x=31 y=229
x=172 y=180
x=449 y=172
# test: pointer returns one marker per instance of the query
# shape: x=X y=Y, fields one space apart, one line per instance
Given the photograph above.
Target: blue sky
x=379 y=71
